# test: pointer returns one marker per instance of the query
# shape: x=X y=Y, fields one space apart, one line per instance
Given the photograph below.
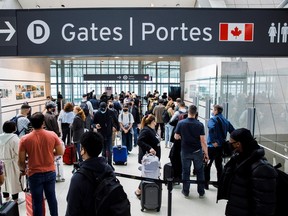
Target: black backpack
x=110 y=197
x=15 y=120
x=165 y=116
x=281 y=191
x=84 y=107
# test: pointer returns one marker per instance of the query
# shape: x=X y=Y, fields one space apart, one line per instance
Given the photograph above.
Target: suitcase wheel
x=142 y=209
x=158 y=209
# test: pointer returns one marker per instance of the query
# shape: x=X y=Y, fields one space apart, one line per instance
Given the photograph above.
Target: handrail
x=279 y=144
x=275 y=153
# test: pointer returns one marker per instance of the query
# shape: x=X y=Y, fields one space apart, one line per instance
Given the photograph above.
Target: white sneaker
x=20 y=201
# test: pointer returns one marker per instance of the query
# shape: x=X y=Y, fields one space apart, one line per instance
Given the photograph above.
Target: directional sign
x=8 y=36
x=122 y=77
x=144 y=31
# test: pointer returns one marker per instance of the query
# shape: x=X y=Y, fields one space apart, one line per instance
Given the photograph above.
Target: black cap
x=50 y=105
x=84 y=95
x=102 y=106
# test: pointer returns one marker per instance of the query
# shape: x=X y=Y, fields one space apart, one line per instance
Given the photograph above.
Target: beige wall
x=38 y=65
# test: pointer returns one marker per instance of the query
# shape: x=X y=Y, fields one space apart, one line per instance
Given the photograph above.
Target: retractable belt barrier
x=169 y=182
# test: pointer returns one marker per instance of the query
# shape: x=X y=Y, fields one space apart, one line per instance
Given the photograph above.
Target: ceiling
x=28 y=4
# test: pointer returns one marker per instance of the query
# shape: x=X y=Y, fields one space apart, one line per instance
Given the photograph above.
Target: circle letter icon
x=38 y=32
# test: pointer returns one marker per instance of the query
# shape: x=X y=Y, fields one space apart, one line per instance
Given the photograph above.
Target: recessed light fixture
x=116 y=57
x=160 y=57
x=62 y=5
x=151 y=5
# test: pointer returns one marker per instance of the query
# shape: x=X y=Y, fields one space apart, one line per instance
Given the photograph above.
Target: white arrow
x=10 y=30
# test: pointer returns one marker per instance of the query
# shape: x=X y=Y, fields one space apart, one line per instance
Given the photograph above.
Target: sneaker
x=186 y=195
x=20 y=201
x=206 y=186
x=201 y=196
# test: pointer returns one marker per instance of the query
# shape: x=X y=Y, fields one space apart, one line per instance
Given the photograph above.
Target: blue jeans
x=78 y=152
x=107 y=149
x=127 y=140
x=197 y=158
x=135 y=134
x=38 y=183
x=168 y=133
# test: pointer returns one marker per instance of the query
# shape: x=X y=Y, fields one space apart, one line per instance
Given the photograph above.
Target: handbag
x=226 y=146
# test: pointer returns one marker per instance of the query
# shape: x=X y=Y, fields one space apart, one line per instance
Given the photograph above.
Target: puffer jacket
x=249 y=185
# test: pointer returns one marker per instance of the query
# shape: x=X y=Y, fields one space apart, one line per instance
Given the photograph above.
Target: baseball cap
x=102 y=106
x=50 y=105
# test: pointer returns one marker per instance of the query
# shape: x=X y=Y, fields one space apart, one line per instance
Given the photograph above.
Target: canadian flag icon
x=242 y=32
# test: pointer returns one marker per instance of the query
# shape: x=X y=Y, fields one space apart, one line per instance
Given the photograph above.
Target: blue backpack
x=15 y=120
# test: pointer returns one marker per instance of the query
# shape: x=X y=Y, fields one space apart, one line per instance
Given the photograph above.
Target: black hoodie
x=80 y=201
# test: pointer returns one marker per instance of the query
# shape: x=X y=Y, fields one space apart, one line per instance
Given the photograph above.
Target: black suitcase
x=151 y=196
x=9 y=208
x=168 y=171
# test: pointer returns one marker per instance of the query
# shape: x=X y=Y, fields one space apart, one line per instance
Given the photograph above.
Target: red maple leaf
x=236 y=32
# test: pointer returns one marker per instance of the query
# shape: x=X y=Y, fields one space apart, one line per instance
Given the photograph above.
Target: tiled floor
x=180 y=205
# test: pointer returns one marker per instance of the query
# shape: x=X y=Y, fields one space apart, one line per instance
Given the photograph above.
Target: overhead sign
x=122 y=77
x=8 y=36
x=149 y=31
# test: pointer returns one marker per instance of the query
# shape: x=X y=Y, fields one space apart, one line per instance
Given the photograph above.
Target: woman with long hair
x=77 y=127
x=65 y=118
x=148 y=141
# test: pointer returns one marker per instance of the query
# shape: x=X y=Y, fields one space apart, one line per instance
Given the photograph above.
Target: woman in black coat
x=148 y=141
x=77 y=127
x=248 y=181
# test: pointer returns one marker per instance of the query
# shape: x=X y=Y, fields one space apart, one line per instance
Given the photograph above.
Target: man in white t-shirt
x=126 y=121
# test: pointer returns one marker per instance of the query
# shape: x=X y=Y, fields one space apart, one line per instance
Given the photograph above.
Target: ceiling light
x=62 y=5
x=151 y=5
x=160 y=57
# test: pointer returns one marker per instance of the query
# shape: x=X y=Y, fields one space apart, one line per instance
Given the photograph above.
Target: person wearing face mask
x=80 y=197
x=77 y=128
x=50 y=119
x=105 y=122
x=248 y=181
x=126 y=121
x=148 y=141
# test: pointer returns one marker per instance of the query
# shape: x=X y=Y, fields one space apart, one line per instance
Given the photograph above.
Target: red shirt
x=39 y=145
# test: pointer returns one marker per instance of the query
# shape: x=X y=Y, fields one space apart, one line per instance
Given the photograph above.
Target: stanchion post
x=170 y=188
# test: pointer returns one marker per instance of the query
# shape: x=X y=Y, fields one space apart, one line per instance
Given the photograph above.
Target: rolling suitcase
x=29 y=205
x=168 y=171
x=9 y=208
x=69 y=156
x=120 y=155
x=151 y=196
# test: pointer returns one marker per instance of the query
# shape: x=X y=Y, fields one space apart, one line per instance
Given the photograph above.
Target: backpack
x=84 y=107
x=110 y=197
x=15 y=120
x=281 y=191
x=183 y=115
x=165 y=116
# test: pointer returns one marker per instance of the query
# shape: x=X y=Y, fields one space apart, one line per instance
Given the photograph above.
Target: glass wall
x=67 y=77
x=242 y=90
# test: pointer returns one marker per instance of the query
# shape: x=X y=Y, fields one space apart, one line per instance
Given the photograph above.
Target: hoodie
x=80 y=200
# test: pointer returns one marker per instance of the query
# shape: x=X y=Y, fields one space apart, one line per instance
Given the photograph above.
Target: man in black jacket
x=81 y=200
x=50 y=119
x=105 y=122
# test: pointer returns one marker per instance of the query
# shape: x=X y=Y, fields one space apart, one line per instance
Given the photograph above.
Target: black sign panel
x=123 y=77
x=8 y=36
x=152 y=31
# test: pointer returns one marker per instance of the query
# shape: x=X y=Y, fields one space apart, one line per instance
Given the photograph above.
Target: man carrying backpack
x=21 y=121
x=88 y=192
